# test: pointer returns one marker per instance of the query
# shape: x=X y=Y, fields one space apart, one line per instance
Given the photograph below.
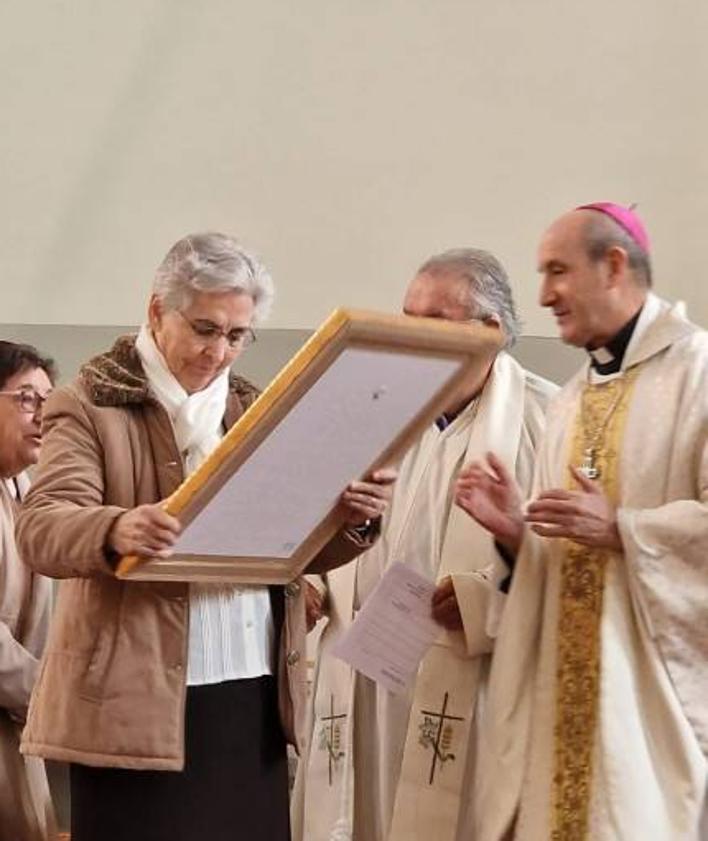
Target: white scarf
x=196 y=418
x=219 y=614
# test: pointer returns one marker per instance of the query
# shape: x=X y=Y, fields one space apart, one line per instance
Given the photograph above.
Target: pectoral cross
x=588 y=468
x=330 y=735
x=432 y=735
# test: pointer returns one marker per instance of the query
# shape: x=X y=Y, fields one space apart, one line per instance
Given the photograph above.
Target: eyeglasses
x=209 y=333
x=27 y=398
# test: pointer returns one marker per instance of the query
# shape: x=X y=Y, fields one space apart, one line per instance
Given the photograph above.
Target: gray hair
x=601 y=233
x=489 y=289
x=212 y=262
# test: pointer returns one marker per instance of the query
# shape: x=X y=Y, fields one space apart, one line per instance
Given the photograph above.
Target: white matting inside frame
x=286 y=486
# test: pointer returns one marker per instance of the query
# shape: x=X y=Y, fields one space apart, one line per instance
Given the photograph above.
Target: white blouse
x=231 y=633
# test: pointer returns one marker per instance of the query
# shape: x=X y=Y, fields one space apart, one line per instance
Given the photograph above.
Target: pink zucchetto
x=624 y=216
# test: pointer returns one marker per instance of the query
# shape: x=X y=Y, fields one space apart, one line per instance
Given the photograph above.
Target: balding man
x=598 y=725
x=385 y=767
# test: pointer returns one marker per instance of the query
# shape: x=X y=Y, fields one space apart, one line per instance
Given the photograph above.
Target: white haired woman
x=172 y=702
x=26 y=379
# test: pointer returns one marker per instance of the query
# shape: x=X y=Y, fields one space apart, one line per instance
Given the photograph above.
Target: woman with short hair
x=171 y=701
x=26 y=379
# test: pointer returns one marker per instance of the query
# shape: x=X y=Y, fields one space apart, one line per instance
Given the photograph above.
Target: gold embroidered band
x=598 y=429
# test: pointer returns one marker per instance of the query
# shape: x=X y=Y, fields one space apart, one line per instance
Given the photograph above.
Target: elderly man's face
x=196 y=359
x=440 y=295
x=20 y=424
x=574 y=287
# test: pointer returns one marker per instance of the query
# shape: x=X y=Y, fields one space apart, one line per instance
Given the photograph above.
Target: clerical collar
x=608 y=359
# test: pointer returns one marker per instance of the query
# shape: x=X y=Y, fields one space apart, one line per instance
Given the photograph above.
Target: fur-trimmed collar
x=117 y=378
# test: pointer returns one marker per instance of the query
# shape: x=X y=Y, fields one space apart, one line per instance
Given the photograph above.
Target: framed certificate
x=355 y=397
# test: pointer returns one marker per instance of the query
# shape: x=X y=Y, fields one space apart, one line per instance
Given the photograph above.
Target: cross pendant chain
x=594 y=436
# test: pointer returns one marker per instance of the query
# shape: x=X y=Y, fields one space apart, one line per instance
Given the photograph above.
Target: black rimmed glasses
x=27 y=398
x=209 y=333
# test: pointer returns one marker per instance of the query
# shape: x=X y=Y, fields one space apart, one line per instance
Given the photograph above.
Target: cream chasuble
x=594 y=731
x=402 y=772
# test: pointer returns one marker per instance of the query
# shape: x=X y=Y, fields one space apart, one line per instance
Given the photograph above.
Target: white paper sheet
x=394 y=629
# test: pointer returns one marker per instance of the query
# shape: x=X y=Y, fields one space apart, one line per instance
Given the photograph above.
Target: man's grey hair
x=212 y=262
x=602 y=233
x=489 y=289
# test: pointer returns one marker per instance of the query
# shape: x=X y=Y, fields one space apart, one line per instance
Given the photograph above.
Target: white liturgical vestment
x=640 y=760
x=388 y=767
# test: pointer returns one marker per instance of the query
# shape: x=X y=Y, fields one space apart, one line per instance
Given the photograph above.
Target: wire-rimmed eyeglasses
x=237 y=338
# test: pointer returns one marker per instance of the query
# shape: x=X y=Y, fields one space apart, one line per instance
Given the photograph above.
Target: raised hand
x=487 y=492
x=585 y=516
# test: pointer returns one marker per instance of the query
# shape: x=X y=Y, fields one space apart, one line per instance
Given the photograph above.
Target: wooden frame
x=345 y=342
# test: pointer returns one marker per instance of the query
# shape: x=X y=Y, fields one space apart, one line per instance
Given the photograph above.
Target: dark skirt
x=234 y=786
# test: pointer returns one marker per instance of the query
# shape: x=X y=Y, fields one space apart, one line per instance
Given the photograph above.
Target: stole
x=328 y=795
x=430 y=790
x=600 y=421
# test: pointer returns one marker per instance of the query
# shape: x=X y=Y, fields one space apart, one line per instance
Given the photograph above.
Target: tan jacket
x=111 y=689
x=25 y=602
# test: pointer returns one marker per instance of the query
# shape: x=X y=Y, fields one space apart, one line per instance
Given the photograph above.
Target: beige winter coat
x=25 y=601
x=111 y=689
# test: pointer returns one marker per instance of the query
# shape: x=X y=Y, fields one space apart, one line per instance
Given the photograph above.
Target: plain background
x=343 y=141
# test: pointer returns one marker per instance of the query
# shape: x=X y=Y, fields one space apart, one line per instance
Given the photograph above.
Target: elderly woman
x=25 y=807
x=171 y=701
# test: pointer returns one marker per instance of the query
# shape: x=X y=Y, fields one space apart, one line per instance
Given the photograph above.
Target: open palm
x=487 y=492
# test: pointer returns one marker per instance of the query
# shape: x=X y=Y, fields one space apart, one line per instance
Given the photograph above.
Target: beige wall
x=342 y=140
x=72 y=345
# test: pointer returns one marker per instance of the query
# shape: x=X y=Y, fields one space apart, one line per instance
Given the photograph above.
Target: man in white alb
x=384 y=767
x=598 y=722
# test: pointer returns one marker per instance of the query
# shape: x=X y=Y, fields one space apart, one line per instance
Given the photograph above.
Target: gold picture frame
x=365 y=385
